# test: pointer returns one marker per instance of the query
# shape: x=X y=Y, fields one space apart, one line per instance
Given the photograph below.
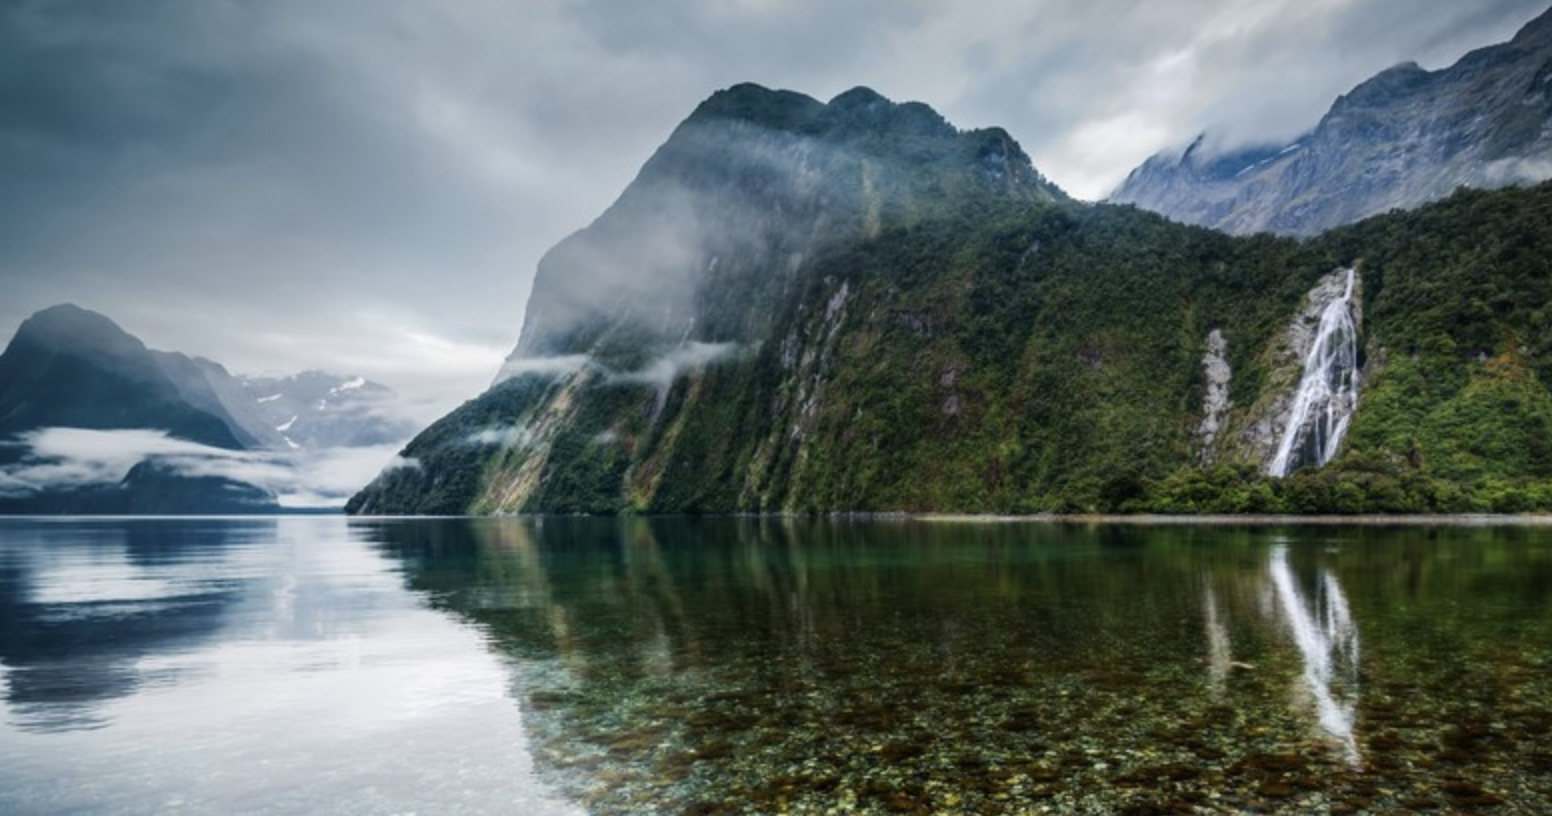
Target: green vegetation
x=940 y=339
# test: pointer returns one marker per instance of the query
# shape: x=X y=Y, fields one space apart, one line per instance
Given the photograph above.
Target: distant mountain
x=316 y=409
x=801 y=306
x=70 y=368
x=1405 y=137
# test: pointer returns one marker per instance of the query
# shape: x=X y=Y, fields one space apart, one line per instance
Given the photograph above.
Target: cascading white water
x=1327 y=394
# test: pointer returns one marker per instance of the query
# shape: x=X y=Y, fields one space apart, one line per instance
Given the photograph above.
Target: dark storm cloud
x=366 y=185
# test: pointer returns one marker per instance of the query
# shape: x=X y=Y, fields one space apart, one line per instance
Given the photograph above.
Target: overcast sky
x=365 y=186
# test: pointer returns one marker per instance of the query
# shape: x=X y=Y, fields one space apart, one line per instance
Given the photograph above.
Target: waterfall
x=1327 y=394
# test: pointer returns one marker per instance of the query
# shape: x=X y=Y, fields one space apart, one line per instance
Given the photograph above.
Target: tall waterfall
x=1327 y=394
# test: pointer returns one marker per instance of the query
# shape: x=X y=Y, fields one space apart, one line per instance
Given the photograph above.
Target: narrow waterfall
x=1327 y=394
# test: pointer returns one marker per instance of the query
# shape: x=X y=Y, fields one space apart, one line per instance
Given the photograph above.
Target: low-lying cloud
x=1517 y=171
x=505 y=436
x=70 y=458
x=541 y=366
x=689 y=357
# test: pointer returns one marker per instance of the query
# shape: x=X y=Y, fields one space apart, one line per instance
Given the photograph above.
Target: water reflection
x=758 y=665
x=243 y=666
x=1219 y=653
x=82 y=604
x=1322 y=628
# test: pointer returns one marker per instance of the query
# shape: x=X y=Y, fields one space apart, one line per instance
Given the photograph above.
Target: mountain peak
x=747 y=101
x=68 y=326
x=860 y=97
x=857 y=111
x=752 y=180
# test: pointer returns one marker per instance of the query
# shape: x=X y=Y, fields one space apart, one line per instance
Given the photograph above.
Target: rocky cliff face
x=1405 y=137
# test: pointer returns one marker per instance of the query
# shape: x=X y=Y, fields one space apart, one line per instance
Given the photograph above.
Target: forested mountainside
x=1404 y=137
x=856 y=307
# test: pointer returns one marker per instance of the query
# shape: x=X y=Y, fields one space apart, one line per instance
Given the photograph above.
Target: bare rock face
x=1402 y=138
x=1215 y=397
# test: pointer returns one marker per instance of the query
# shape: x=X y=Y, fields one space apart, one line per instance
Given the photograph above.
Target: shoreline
x=1139 y=520
x=1411 y=520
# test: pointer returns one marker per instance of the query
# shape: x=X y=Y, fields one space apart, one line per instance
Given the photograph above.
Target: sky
x=366 y=186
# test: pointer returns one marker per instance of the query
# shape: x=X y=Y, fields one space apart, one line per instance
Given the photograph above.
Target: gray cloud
x=542 y=366
x=367 y=185
x=506 y=436
x=63 y=458
x=662 y=371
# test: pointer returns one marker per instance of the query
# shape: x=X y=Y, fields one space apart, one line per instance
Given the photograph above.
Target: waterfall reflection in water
x=1323 y=630
x=1219 y=655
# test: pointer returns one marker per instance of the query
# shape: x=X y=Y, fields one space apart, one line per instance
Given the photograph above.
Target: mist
x=69 y=458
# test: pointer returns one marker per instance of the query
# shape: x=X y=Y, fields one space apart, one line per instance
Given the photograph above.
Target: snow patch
x=349 y=385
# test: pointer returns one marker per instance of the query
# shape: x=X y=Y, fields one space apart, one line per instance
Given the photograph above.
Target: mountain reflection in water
x=759 y=664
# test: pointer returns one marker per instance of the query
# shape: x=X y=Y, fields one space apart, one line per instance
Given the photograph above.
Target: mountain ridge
x=1403 y=137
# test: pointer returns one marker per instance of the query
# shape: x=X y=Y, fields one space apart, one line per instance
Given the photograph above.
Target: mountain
x=316 y=409
x=69 y=367
x=721 y=216
x=853 y=306
x=1404 y=137
x=92 y=421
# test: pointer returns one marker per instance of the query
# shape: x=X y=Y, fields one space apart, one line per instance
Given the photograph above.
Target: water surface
x=772 y=665
x=242 y=666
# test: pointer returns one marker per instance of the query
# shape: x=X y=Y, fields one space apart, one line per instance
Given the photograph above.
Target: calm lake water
x=560 y=666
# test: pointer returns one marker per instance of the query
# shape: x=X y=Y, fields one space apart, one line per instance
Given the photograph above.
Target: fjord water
x=564 y=665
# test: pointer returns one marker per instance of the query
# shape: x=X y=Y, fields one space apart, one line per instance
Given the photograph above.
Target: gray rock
x=1405 y=137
